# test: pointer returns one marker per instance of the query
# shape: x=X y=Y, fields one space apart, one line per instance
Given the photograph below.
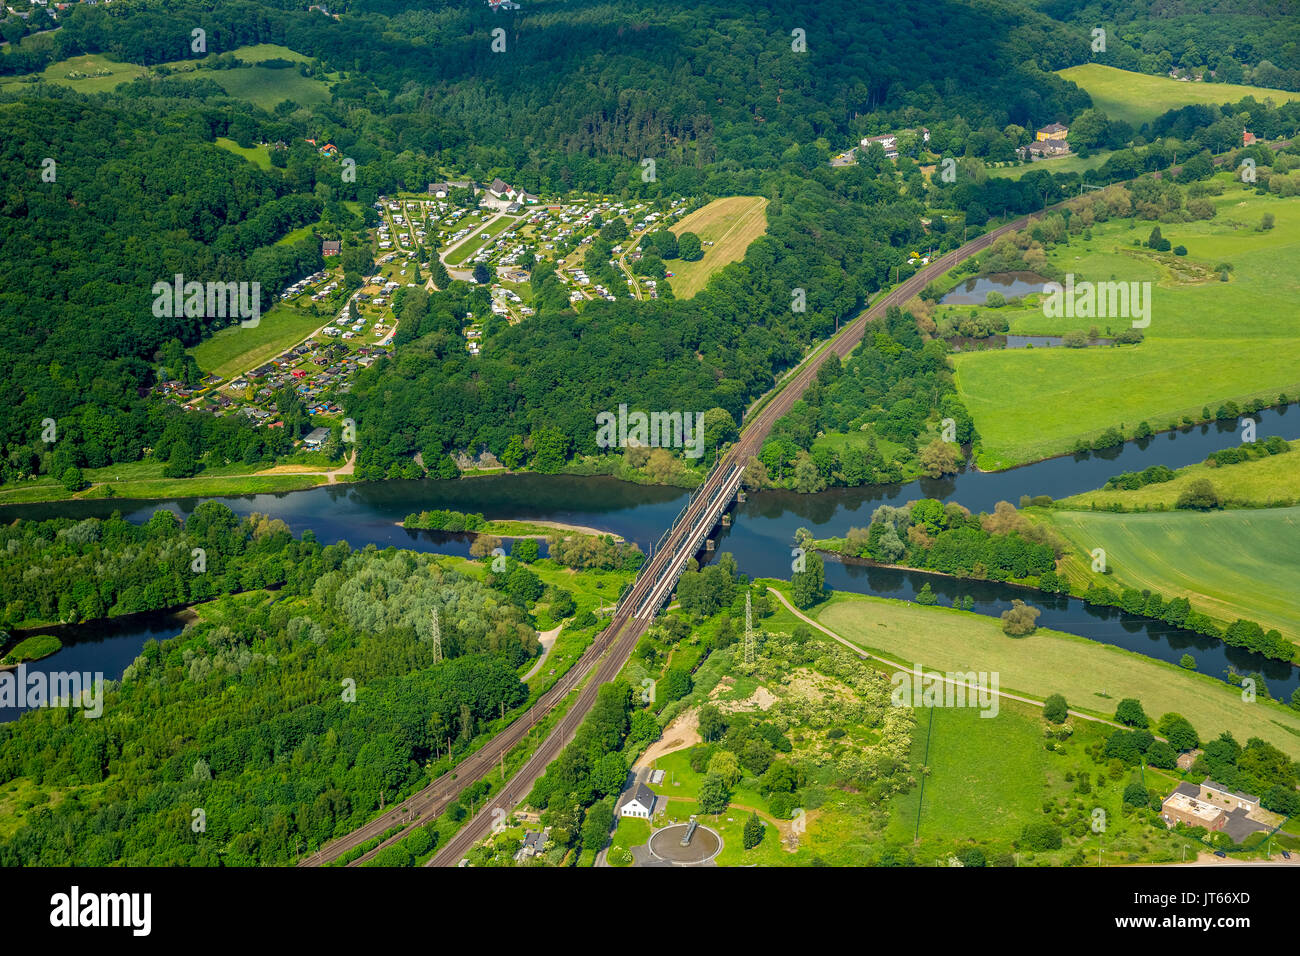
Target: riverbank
x=513 y=528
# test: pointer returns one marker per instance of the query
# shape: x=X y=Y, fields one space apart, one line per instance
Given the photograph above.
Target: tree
x=753 y=833
x=515 y=453
x=1020 y=619
x=689 y=248
x=1041 y=836
x=712 y=725
x=926 y=596
x=1199 y=495
x=1130 y=713
x=939 y=458
x=714 y=795
x=438 y=272
x=180 y=463
x=725 y=765
x=1055 y=709
x=525 y=550
x=1187 y=661
x=72 y=479
x=481 y=274
x=809 y=584
x=1180 y=733
x=1135 y=795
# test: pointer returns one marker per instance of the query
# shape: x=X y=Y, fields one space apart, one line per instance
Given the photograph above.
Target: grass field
x=89 y=64
x=1230 y=564
x=1093 y=677
x=1208 y=341
x=731 y=224
x=1273 y=481
x=265 y=87
x=987 y=775
x=235 y=349
x=1139 y=97
x=257 y=155
x=1062 y=164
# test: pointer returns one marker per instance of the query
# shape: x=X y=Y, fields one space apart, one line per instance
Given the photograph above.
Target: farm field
x=731 y=224
x=1230 y=564
x=235 y=348
x=1093 y=677
x=1272 y=481
x=1137 y=98
x=1208 y=341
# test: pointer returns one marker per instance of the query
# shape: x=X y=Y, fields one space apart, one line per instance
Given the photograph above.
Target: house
x=316 y=437
x=1247 y=137
x=534 y=841
x=1052 y=131
x=1235 y=799
x=888 y=142
x=329 y=149
x=330 y=247
x=640 y=803
x=1184 y=806
x=502 y=190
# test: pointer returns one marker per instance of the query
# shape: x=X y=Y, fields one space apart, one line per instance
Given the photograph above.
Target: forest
x=286 y=718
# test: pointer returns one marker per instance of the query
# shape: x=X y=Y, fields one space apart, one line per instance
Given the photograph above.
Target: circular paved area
x=666 y=844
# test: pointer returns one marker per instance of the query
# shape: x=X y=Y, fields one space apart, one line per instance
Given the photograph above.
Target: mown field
x=1093 y=677
x=89 y=64
x=1272 y=481
x=731 y=224
x=1208 y=341
x=236 y=349
x=1228 y=564
x=1137 y=98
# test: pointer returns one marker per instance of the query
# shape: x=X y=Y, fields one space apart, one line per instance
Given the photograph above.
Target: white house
x=640 y=803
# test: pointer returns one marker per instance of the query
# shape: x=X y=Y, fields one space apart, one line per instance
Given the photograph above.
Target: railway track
x=603 y=660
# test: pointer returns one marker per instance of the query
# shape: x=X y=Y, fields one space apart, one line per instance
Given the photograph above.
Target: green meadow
x=1137 y=98
x=1092 y=676
x=1242 y=563
x=259 y=156
x=1208 y=342
x=236 y=349
x=1262 y=482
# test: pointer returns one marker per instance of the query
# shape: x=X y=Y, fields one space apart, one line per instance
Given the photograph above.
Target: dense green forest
x=287 y=719
x=1238 y=41
x=67 y=570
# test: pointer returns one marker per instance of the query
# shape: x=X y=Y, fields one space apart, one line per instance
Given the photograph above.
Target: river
x=761 y=535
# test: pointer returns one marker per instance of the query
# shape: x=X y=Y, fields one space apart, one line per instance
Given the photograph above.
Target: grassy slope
x=237 y=349
x=1139 y=97
x=1093 y=677
x=731 y=224
x=1261 y=482
x=257 y=155
x=1230 y=564
x=1208 y=341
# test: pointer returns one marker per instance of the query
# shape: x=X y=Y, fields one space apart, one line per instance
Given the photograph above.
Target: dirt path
x=683 y=732
x=547 y=639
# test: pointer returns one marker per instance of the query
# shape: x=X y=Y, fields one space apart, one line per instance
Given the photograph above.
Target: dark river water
x=761 y=536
